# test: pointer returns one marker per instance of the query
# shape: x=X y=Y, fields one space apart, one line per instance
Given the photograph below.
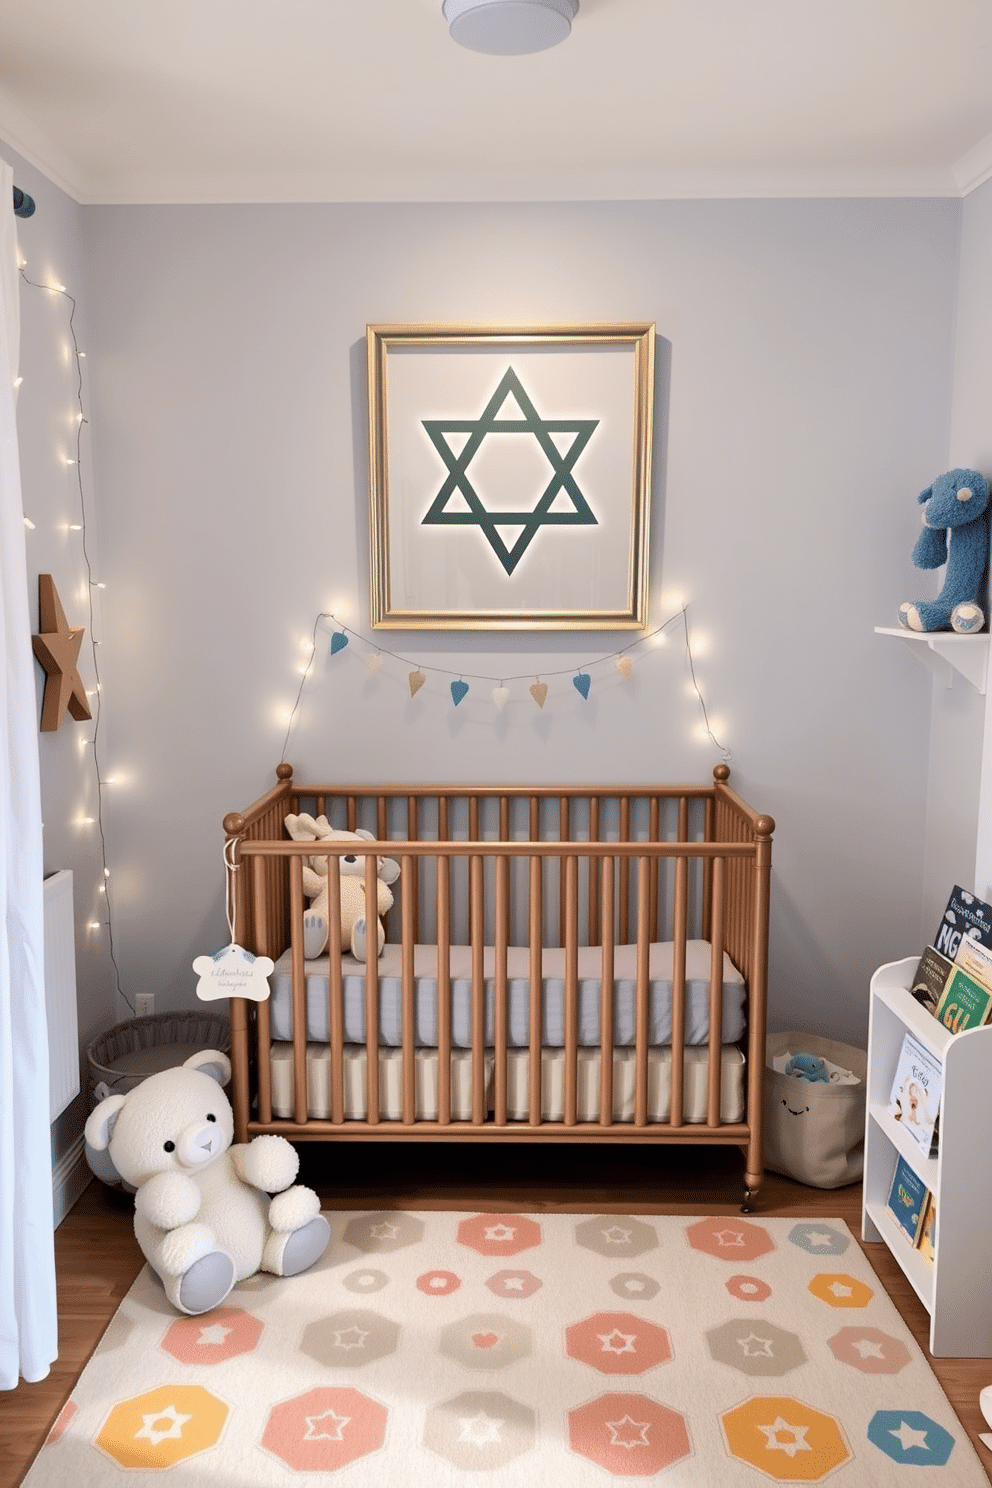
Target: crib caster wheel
x=748 y=1207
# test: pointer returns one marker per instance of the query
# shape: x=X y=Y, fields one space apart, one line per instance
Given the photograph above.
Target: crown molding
x=975 y=167
x=33 y=145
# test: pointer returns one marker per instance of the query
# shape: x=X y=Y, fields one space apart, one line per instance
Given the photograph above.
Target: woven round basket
x=129 y=1052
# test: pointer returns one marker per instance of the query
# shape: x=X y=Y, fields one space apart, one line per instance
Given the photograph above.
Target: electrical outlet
x=144 y=1003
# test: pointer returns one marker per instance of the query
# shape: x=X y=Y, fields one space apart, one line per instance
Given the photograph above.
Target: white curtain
x=28 y=1318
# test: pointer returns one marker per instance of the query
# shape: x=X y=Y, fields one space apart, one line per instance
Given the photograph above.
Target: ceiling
x=371 y=100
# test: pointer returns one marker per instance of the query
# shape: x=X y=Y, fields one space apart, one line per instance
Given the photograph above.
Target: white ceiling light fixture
x=509 y=28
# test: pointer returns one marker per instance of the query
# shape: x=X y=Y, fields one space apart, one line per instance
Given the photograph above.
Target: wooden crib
x=563 y=963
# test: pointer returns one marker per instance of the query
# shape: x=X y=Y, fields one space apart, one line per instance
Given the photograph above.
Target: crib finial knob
x=284 y=771
x=234 y=824
x=721 y=772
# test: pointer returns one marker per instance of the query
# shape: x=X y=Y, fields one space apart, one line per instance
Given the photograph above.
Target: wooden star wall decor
x=57 y=648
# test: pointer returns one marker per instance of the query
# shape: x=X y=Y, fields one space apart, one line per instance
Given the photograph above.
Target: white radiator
x=60 y=992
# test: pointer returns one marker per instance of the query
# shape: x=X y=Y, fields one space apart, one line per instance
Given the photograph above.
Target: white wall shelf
x=946 y=652
x=957 y=1289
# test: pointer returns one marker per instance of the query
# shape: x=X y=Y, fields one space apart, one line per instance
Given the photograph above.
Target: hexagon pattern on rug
x=618 y=1343
x=435 y=1346
x=632 y=1436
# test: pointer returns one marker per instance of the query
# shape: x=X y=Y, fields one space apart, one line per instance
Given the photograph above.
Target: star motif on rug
x=384 y=1231
x=513 y=1284
x=797 y=1437
x=560 y=504
x=628 y=1433
x=617 y=1342
x=907 y=1437
x=819 y=1237
x=328 y=1426
x=869 y=1348
x=840 y=1290
x=729 y=1237
x=480 y=1430
x=499 y=1232
x=57 y=648
x=350 y=1338
x=615 y=1235
x=150 y=1429
x=755 y=1347
x=214 y=1334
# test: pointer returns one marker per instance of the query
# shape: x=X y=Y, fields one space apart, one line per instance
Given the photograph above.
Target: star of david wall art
x=510 y=476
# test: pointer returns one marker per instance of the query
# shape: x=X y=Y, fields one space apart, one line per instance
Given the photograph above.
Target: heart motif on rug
x=485 y=1340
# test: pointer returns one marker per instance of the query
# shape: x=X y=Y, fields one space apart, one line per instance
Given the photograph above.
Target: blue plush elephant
x=957 y=504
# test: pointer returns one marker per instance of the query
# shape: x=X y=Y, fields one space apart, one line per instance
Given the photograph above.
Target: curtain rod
x=23 y=204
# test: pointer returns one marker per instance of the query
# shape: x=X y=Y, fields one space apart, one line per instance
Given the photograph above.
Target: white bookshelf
x=957 y=1289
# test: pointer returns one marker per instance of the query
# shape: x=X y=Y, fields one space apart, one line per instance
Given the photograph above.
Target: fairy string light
x=81 y=422
x=459 y=686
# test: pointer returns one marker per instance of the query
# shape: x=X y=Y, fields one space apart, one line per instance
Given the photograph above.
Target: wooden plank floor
x=97 y=1256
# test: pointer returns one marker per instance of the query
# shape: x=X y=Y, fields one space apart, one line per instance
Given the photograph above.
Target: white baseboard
x=70 y=1176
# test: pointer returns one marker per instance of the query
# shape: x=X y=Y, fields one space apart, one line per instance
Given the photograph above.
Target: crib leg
x=751 y=1186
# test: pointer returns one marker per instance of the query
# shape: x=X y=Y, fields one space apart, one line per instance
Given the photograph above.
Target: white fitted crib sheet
x=695 y=1084
x=518 y=977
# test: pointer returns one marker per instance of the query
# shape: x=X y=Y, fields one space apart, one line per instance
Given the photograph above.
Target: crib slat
x=571 y=922
x=262 y=1023
x=335 y=990
x=594 y=883
x=443 y=989
x=408 y=868
x=502 y=927
x=643 y=992
x=653 y=832
x=412 y=835
x=536 y=989
x=371 y=1016
x=606 y=998
x=679 y=930
x=716 y=995
x=477 y=917
x=299 y=991
x=564 y=835
x=624 y=872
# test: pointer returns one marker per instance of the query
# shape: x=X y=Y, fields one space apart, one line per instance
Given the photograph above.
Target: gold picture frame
x=545 y=525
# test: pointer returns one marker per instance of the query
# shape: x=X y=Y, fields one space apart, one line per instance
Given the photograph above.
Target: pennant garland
x=459 y=689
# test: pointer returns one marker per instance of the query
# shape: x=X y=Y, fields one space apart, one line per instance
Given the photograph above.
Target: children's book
x=907 y=1200
x=965 y=914
x=930 y=978
x=915 y=1098
x=976 y=959
x=964 y=1003
x=926 y=1242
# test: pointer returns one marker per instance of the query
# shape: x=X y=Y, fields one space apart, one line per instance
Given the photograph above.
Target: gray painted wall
x=807 y=358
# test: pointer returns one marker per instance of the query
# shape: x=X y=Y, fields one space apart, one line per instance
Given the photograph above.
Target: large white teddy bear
x=202 y=1212
x=354 y=912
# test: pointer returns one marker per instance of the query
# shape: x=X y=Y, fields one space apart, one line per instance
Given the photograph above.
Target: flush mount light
x=509 y=28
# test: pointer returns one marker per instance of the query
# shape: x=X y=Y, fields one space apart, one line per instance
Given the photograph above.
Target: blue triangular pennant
x=458 y=691
x=581 y=683
x=338 y=642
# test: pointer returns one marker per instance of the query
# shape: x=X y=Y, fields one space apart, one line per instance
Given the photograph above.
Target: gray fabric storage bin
x=815 y=1132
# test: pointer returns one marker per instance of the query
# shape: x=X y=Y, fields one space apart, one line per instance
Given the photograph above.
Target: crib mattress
x=695 y=1084
x=518 y=975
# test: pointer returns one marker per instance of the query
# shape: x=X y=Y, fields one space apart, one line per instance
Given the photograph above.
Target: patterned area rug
x=440 y=1348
